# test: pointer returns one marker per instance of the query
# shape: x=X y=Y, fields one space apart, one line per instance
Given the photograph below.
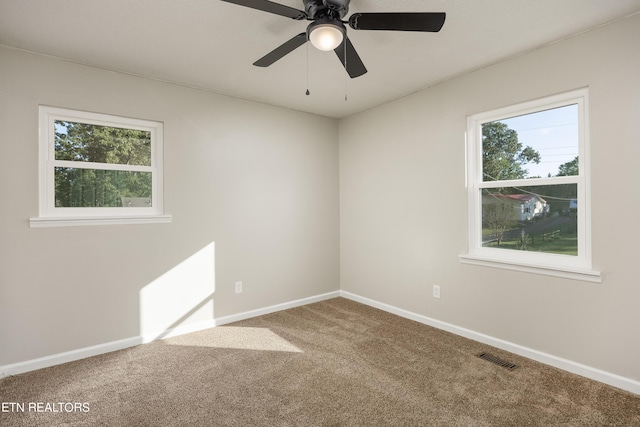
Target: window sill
x=586 y=275
x=42 y=222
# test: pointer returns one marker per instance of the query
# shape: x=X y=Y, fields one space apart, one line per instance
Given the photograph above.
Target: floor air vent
x=497 y=361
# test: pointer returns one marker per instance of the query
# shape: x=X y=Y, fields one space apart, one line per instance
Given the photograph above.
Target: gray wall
x=403 y=205
x=254 y=198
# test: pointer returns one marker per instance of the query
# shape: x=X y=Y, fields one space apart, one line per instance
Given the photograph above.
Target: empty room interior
x=319 y=238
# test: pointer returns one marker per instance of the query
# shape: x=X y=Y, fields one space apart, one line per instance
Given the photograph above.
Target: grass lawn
x=565 y=244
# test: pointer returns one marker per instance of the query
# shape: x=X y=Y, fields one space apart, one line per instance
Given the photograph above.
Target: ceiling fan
x=328 y=32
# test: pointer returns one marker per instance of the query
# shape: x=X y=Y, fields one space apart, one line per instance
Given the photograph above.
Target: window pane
x=542 y=144
x=84 y=142
x=101 y=188
x=533 y=218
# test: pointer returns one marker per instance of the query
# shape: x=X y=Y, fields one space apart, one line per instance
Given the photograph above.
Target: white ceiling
x=210 y=44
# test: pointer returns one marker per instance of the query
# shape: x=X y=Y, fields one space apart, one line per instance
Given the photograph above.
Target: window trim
x=578 y=267
x=51 y=216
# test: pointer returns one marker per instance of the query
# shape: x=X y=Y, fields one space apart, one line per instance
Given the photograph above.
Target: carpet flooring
x=331 y=363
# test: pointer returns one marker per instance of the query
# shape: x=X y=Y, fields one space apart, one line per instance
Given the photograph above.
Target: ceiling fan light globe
x=326 y=37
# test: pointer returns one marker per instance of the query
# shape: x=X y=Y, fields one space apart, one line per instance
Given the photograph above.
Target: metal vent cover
x=497 y=361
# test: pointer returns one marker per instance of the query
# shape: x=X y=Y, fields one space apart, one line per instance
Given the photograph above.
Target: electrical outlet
x=436 y=291
x=238 y=287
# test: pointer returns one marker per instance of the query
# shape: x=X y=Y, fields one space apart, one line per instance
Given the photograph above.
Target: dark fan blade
x=271 y=7
x=431 y=22
x=282 y=50
x=353 y=64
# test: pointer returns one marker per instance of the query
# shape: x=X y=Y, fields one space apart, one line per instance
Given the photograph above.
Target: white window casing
x=574 y=267
x=134 y=213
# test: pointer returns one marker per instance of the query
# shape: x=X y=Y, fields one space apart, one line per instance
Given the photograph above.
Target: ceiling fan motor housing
x=336 y=9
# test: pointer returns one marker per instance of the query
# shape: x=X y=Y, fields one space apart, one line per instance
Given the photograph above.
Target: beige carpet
x=333 y=363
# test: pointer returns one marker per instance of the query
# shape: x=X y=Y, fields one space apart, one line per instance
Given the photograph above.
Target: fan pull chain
x=345 y=68
x=307 y=92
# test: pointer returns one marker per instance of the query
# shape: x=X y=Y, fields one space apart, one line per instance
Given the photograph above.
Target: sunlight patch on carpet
x=234 y=337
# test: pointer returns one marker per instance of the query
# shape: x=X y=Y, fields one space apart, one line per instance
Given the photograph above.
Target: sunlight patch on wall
x=181 y=298
x=234 y=337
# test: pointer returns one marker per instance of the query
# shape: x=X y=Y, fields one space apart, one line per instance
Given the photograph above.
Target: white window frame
x=574 y=267
x=52 y=216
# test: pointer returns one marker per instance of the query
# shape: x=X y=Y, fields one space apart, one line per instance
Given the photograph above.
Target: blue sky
x=553 y=133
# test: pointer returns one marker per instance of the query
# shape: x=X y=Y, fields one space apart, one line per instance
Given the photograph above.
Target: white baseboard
x=67 y=356
x=70 y=356
x=609 y=378
x=274 y=308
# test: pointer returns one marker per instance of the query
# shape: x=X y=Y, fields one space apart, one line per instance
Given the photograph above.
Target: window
x=98 y=169
x=528 y=171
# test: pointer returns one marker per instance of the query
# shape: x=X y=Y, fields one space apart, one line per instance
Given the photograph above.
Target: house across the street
x=527 y=206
